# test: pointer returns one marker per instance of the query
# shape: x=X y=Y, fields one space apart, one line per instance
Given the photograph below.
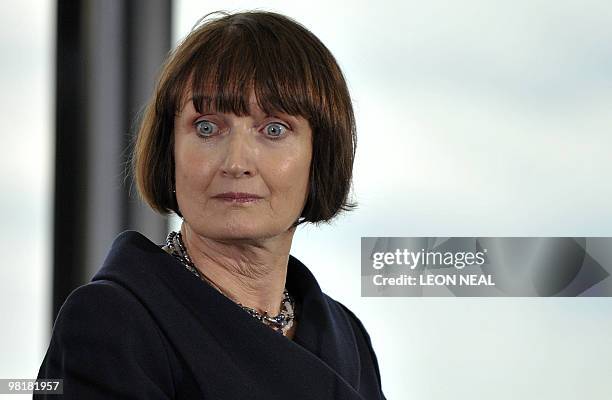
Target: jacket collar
x=194 y=316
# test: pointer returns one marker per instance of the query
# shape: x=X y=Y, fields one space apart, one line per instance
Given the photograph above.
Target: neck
x=252 y=273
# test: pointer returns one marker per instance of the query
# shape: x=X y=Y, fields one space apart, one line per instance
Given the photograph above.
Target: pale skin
x=242 y=247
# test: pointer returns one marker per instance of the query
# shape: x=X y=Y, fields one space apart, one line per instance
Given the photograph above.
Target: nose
x=238 y=160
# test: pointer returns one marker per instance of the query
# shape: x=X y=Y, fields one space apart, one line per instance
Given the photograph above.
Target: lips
x=237 y=196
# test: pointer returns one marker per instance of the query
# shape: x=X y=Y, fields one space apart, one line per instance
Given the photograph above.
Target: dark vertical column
x=69 y=227
x=108 y=53
x=105 y=126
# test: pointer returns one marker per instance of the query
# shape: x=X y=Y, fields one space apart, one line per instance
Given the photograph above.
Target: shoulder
x=102 y=298
x=340 y=309
x=103 y=305
x=366 y=350
x=354 y=320
x=101 y=326
x=105 y=315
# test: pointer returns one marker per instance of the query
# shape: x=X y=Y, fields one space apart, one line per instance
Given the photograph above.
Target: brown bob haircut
x=222 y=61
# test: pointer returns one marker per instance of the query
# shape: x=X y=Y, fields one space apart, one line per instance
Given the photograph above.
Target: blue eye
x=275 y=130
x=206 y=128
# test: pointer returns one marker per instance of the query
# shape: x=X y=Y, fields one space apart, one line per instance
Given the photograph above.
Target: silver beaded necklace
x=280 y=323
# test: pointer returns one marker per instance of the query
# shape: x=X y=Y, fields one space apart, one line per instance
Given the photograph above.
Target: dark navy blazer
x=147 y=328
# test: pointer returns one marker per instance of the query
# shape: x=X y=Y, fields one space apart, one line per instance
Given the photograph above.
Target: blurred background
x=475 y=118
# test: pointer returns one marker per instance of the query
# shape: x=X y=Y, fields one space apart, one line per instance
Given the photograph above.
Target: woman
x=250 y=132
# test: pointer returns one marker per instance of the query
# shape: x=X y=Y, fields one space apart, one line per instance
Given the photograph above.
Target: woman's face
x=218 y=156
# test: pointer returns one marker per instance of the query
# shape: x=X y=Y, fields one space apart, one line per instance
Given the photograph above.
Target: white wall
x=26 y=161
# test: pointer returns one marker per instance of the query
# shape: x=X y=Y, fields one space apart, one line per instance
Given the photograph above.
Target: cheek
x=292 y=174
x=192 y=167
